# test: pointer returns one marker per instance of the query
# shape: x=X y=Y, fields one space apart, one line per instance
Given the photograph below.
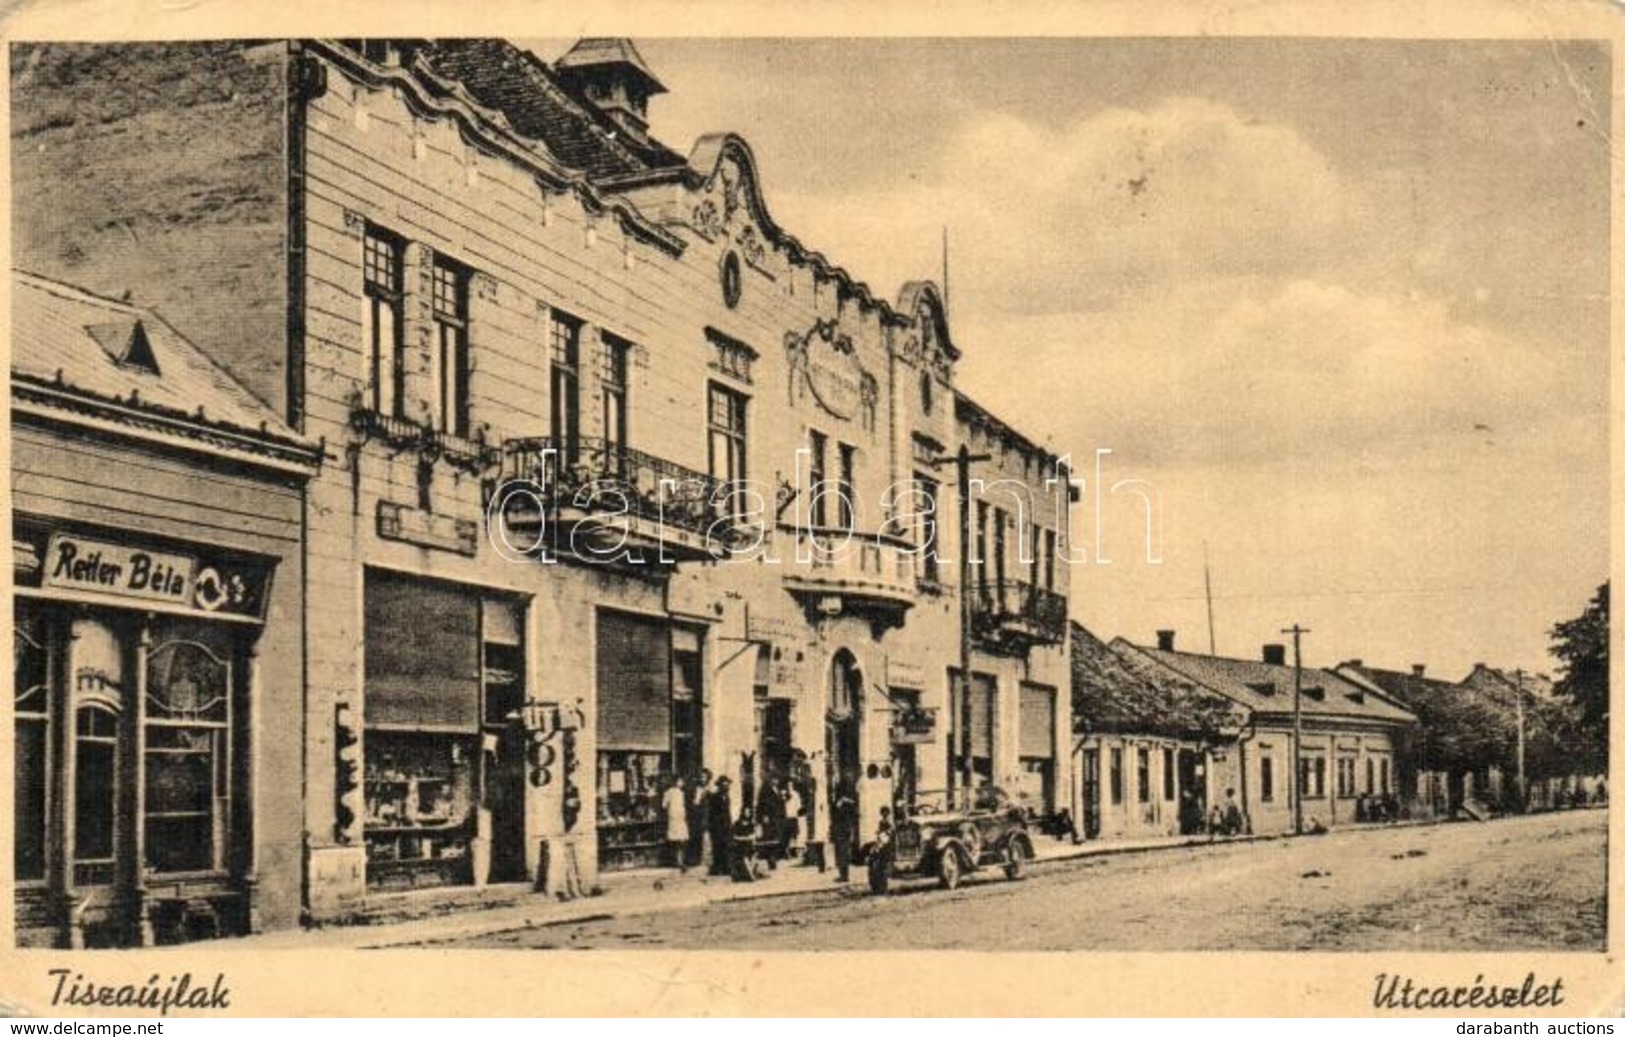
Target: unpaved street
x=1525 y=883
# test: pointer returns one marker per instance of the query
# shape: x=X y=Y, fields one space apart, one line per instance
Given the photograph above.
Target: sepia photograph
x=673 y=492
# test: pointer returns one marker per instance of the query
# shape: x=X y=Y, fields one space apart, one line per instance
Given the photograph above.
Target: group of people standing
x=702 y=829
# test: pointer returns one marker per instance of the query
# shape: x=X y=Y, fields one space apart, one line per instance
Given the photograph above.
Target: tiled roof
x=538 y=105
x=1268 y=688
x=1125 y=692
x=1406 y=687
x=1493 y=680
x=591 y=51
x=101 y=351
x=968 y=410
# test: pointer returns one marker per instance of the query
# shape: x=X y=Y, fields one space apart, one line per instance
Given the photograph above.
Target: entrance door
x=775 y=740
x=502 y=629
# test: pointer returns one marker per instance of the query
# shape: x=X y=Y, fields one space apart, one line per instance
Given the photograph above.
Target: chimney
x=1418 y=669
x=1165 y=640
x=1356 y=662
x=1275 y=655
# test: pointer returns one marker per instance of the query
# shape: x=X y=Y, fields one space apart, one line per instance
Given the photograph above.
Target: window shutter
x=982 y=695
x=422 y=655
x=1037 y=721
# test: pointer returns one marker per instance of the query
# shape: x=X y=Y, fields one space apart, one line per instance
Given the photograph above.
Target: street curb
x=593 y=912
x=597 y=914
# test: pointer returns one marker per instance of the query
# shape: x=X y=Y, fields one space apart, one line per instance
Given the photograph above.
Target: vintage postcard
x=744 y=511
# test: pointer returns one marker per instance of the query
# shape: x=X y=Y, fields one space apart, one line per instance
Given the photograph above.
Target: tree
x=1581 y=646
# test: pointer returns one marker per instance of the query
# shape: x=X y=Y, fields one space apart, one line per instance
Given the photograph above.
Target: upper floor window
x=382 y=314
x=999 y=550
x=725 y=422
x=982 y=511
x=1049 y=559
x=817 y=475
x=617 y=361
x=926 y=490
x=845 y=503
x=449 y=361
x=564 y=333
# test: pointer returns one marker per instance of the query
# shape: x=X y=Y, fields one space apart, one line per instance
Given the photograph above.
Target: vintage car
x=946 y=839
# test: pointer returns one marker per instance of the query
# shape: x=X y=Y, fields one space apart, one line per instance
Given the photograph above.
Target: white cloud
x=1048 y=220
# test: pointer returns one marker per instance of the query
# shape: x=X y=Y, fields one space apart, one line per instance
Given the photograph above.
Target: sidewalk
x=638 y=892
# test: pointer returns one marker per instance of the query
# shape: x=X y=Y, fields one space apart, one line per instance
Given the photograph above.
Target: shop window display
x=187 y=757
x=419 y=793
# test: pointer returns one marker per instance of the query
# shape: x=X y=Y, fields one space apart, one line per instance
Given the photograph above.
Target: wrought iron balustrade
x=1015 y=610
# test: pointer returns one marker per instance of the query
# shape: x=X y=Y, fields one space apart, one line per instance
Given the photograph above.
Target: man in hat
x=843 y=825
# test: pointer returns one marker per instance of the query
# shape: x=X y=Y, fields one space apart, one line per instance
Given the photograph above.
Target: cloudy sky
x=1344 y=303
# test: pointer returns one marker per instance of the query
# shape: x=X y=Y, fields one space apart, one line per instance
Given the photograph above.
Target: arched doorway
x=842 y=725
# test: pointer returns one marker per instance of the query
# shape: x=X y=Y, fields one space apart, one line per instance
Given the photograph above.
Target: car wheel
x=879 y=874
x=1015 y=860
x=948 y=868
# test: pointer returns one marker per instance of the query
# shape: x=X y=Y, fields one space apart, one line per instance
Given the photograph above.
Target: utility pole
x=961 y=733
x=1523 y=788
x=1299 y=778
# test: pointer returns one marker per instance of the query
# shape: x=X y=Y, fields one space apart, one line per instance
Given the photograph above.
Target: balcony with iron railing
x=595 y=499
x=1015 y=615
x=836 y=571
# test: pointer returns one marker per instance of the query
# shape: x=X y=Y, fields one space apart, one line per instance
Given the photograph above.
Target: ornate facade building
x=619 y=480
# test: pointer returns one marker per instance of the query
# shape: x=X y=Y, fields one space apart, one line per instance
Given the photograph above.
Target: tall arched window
x=96 y=787
x=188 y=758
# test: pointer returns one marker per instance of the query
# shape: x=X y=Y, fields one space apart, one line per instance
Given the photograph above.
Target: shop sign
x=83 y=564
x=905 y=674
x=914 y=727
x=771 y=629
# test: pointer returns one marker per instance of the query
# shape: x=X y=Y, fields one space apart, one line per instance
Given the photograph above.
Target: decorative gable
x=728 y=210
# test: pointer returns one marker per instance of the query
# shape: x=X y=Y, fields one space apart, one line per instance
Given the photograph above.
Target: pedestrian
x=770 y=813
x=675 y=805
x=843 y=826
x=793 y=809
x=719 y=822
x=699 y=793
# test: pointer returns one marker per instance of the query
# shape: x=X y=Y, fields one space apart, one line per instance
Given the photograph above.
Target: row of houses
x=1168 y=741
x=417 y=465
